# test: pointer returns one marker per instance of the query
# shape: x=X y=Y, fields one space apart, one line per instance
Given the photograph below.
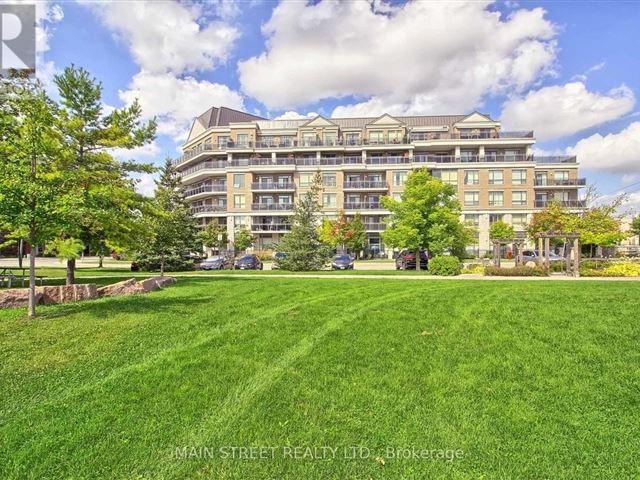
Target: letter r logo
x=17 y=38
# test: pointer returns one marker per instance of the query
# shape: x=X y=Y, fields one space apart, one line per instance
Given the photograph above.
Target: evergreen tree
x=106 y=216
x=170 y=231
x=302 y=245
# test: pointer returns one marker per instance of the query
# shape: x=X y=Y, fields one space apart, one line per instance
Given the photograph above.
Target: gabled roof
x=386 y=119
x=319 y=121
x=476 y=117
x=219 y=117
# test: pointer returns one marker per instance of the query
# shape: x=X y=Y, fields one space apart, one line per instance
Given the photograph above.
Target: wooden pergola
x=518 y=247
x=544 y=247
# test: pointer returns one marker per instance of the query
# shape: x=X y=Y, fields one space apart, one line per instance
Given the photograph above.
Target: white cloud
x=562 y=110
x=146 y=184
x=145 y=153
x=616 y=152
x=176 y=101
x=168 y=36
x=291 y=115
x=421 y=57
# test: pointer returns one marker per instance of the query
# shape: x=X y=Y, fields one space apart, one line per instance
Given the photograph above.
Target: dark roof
x=223 y=116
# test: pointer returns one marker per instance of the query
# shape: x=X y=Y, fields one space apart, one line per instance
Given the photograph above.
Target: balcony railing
x=362 y=205
x=204 y=165
x=564 y=203
x=552 y=182
x=425 y=136
x=271 y=227
x=205 y=189
x=388 y=160
x=555 y=159
x=208 y=209
x=374 y=227
x=352 y=160
x=365 y=184
x=272 y=206
x=272 y=186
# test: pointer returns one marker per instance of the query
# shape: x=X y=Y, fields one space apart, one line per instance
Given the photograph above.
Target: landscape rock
x=531 y=264
x=68 y=293
x=17 y=297
x=156 y=283
x=126 y=287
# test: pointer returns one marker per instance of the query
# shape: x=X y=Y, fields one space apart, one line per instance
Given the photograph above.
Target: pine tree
x=302 y=245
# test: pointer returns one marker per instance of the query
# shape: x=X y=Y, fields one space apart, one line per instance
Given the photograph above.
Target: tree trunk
x=32 y=281
x=418 y=260
x=162 y=266
x=71 y=271
x=20 y=252
x=100 y=260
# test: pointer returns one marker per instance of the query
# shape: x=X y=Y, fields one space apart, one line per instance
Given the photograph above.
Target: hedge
x=445 y=266
x=515 y=272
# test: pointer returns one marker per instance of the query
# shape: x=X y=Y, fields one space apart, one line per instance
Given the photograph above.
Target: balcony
x=426 y=136
x=352 y=160
x=388 y=160
x=204 y=166
x=569 y=182
x=555 y=159
x=365 y=185
x=208 y=209
x=221 y=188
x=374 y=227
x=272 y=206
x=362 y=206
x=563 y=203
x=278 y=186
x=270 y=227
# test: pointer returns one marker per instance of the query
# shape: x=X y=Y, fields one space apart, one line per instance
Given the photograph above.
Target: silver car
x=534 y=255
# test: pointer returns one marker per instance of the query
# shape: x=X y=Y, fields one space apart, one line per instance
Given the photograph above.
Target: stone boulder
x=17 y=297
x=126 y=287
x=68 y=293
x=156 y=283
x=531 y=264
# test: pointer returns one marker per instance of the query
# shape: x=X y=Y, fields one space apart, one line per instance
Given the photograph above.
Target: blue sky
x=568 y=70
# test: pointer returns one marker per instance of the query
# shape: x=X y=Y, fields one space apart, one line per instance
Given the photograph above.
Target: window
x=330 y=138
x=471 y=199
x=376 y=137
x=238 y=180
x=266 y=200
x=496 y=199
x=239 y=222
x=306 y=179
x=471 y=177
x=541 y=178
x=329 y=179
x=284 y=180
x=329 y=200
x=238 y=201
x=468 y=156
x=222 y=142
x=284 y=200
x=519 y=199
x=352 y=138
x=308 y=139
x=561 y=175
x=472 y=218
x=449 y=176
x=395 y=136
x=399 y=178
x=519 y=177
x=243 y=139
x=496 y=177
x=397 y=197
x=519 y=219
x=495 y=217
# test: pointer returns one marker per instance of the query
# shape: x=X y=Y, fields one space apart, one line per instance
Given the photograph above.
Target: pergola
x=518 y=247
x=544 y=260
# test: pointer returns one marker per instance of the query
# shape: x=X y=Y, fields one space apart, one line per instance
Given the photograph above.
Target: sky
x=567 y=70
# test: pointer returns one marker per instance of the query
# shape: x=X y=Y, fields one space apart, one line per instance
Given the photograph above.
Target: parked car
x=249 y=262
x=406 y=260
x=533 y=255
x=342 y=262
x=277 y=256
x=217 y=262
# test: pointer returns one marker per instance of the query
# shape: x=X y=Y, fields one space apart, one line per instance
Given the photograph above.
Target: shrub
x=445 y=266
x=151 y=263
x=610 y=269
x=515 y=272
x=473 y=268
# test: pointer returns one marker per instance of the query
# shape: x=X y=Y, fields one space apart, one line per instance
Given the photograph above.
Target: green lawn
x=527 y=379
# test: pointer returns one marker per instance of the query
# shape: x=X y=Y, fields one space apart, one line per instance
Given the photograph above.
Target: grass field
x=526 y=379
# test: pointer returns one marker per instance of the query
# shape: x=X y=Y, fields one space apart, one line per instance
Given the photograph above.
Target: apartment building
x=242 y=170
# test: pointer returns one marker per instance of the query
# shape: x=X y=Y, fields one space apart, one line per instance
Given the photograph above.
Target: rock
x=68 y=293
x=17 y=297
x=156 y=283
x=531 y=264
x=126 y=287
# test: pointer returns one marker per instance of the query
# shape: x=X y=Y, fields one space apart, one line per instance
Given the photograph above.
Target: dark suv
x=406 y=260
x=249 y=262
